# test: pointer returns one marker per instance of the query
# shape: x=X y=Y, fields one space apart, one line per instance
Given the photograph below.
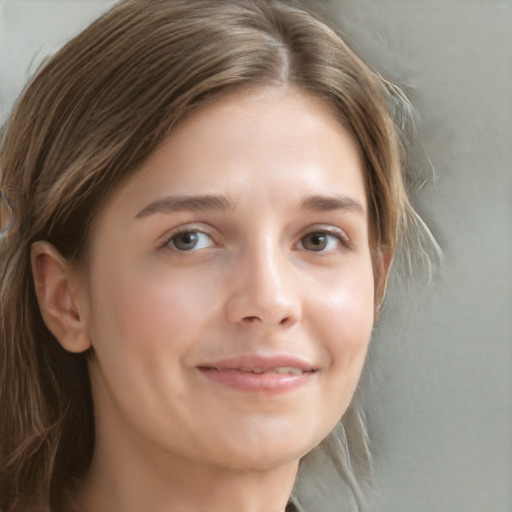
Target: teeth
x=288 y=370
x=284 y=370
x=251 y=370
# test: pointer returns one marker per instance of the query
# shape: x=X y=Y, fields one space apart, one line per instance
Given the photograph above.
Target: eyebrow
x=172 y=204
x=324 y=203
x=317 y=203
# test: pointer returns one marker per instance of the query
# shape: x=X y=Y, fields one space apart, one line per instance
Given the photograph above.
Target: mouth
x=282 y=370
x=260 y=374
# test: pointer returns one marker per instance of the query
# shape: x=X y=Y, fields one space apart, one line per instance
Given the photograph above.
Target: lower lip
x=265 y=383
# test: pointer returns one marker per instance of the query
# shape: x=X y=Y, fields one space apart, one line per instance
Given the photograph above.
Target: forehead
x=261 y=146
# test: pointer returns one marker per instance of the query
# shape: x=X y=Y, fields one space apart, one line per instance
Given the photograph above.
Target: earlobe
x=58 y=294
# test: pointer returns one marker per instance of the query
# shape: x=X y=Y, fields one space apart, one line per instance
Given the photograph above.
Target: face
x=229 y=293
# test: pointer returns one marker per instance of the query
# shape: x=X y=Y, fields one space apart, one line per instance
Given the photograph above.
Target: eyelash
x=180 y=232
x=339 y=235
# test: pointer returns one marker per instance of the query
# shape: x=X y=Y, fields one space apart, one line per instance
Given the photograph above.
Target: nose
x=264 y=289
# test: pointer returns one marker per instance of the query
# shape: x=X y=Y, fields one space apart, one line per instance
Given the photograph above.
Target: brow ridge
x=323 y=203
x=177 y=203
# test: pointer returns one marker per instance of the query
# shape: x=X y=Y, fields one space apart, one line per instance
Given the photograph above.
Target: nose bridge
x=264 y=289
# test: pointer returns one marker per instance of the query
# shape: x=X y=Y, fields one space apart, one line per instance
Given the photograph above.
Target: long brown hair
x=86 y=122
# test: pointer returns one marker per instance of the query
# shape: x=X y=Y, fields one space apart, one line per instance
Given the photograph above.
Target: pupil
x=186 y=240
x=316 y=241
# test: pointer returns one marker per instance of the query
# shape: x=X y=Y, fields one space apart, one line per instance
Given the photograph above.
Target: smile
x=284 y=370
x=259 y=374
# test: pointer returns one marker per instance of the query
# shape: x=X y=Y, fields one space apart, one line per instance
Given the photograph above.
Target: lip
x=256 y=373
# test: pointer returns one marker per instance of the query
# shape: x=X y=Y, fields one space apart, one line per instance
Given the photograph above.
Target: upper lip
x=259 y=363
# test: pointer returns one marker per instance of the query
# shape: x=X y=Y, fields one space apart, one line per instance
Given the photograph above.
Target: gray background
x=438 y=384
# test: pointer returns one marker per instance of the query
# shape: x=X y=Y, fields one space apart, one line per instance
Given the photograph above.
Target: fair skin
x=241 y=247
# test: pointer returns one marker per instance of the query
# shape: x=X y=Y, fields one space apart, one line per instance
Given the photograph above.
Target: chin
x=261 y=450
x=260 y=462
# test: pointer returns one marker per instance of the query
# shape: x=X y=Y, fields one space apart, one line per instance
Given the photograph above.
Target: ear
x=382 y=260
x=58 y=290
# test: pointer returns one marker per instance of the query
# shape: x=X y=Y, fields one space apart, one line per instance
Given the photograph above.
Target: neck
x=140 y=478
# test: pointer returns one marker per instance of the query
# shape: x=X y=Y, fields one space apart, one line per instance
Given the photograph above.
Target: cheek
x=143 y=319
x=145 y=329
x=141 y=302
x=345 y=316
x=345 y=307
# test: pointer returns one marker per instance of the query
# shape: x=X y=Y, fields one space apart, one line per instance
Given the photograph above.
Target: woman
x=208 y=198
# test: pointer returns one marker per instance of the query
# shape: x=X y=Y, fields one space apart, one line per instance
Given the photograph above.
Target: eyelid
x=185 y=228
x=334 y=231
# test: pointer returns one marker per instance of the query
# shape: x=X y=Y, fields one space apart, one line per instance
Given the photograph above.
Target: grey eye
x=316 y=241
x=322 y=241
x=190 y=240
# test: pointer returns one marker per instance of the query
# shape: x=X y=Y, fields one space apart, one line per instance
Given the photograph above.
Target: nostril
x=251 y=319
x=285 y=321
x=263 y=300
x=256 y=319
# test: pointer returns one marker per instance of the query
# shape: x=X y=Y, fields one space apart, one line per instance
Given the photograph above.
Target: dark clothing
x=293 y=506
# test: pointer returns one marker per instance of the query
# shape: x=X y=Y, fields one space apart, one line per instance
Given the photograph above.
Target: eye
x=322 y=241
x=189 y=240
